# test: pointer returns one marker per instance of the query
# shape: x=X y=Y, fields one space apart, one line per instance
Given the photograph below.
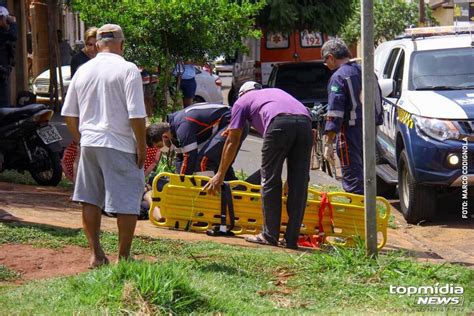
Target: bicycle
x=318 y=161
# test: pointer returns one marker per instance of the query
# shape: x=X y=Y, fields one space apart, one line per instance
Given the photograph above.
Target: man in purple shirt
x=285 y=125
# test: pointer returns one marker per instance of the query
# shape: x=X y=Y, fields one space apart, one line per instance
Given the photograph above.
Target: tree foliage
x=161 y=32
x=391 y=18
x=289 y=15
x=160 y=29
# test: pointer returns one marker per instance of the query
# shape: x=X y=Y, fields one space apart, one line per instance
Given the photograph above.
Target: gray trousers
x=287 y=137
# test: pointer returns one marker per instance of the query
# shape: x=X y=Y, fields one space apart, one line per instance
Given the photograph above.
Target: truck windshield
x=447 y=69
x=304 y=81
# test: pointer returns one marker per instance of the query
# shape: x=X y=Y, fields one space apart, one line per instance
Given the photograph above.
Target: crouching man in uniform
x=197 y=134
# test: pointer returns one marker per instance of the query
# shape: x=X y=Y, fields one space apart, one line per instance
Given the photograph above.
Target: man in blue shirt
x=344 y=116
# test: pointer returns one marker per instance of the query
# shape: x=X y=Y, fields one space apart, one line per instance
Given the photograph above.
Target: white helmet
x=4 y=11
x=248 y=86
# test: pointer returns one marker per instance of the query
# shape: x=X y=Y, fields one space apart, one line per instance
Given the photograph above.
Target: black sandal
x=282 y=242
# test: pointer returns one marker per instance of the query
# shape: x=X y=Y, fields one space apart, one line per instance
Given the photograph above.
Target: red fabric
x=308 y=241
x=316 y=241
x=153 y=156
x=325 y=203
x=67 y=163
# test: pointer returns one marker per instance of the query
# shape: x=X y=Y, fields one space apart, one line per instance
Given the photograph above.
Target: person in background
x=65 y=50
x=8 y=37
x=87 y=53
x=344 y=116
x=105 y=113
x=285 y=125
x=186 y=73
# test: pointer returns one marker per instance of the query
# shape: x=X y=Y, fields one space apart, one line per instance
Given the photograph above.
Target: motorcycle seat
x=8 y=115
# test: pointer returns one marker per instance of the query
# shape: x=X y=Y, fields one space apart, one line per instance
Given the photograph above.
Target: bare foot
x=96 y=262
x=127 y=259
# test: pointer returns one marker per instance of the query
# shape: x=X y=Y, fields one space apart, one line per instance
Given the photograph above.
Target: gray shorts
x=109 y=179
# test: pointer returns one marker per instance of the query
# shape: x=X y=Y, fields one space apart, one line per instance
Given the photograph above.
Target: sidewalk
x=51 y=206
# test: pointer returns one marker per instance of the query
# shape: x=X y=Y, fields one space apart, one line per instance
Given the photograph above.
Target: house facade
x=443 y=11
x=38 y=21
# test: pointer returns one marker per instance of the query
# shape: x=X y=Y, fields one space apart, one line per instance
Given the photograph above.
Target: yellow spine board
x=183 y=205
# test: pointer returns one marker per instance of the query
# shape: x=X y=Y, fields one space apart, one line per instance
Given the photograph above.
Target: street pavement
x=249 y=159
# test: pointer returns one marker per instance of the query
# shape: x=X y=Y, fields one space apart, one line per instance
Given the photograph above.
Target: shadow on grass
x=216 y=267
x=12 y=176
x=55 y=231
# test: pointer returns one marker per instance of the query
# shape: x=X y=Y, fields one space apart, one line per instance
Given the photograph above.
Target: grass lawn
x=207 y=277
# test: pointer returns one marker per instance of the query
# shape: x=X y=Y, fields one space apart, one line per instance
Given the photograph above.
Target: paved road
x=249 y=159
x=226 y=84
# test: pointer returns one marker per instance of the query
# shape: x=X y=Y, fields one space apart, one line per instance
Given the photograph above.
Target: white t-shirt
x=105 y=93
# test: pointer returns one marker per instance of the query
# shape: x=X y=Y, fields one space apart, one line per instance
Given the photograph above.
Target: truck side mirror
x=387 y=87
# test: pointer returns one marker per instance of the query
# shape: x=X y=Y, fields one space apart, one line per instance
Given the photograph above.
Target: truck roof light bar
x=438 y=30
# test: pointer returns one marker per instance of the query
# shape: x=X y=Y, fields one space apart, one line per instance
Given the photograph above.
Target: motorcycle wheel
x=52 y=174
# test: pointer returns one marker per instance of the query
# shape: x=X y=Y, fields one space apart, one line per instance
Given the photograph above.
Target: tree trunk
x=53 y=55
x=422 y=12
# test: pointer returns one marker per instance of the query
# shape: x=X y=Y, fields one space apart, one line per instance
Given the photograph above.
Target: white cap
x=248 y=86
x=4 y=11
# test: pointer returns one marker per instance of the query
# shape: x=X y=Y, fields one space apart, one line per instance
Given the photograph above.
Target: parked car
x=223 y=64
x=209 y=87
x=427 y=82
x=306 y=81
x=41 y=83
x=220 y=68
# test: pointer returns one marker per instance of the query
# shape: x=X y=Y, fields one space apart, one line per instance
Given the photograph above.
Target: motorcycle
x=29 y=143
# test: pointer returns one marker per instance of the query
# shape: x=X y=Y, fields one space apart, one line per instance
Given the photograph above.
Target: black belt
x=283 y=116
x=226 y=206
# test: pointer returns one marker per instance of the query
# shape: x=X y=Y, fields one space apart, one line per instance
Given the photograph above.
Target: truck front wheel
x=417 y=202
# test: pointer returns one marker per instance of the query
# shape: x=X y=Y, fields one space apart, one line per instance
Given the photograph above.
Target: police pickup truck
x=426 y=143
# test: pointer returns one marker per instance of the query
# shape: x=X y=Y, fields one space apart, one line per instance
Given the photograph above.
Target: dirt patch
x=40 y=263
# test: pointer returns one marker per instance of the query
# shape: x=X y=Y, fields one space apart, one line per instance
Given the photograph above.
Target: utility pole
x=422 y=12
x=368 y=118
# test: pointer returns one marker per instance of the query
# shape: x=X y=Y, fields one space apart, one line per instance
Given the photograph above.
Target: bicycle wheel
x=315 y=163
x=326 y=166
